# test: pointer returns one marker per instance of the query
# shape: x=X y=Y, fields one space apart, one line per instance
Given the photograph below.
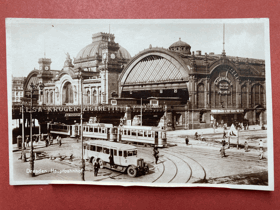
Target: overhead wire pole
x=22 y=142
x=82 y=129
x=141 y=113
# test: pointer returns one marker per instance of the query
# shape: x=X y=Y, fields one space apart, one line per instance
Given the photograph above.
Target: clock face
x=113 y=56
x=46 y=68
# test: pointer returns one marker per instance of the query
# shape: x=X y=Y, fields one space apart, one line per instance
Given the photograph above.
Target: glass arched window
x=200 y=96
x=51 y=97
x=67 y=93
x=257 y=95
x=244 y=96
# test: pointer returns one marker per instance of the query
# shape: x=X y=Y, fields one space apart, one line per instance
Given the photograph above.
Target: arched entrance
x=155 y=73
x=67 y=93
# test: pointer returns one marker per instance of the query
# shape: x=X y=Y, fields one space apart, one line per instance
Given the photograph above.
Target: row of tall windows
x=228 y=99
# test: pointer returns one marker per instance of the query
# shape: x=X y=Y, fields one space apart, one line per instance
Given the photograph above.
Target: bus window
x=149 y=134
x=102 y=130
x=131 y=153
x=124 y=132
x=92 y=148
x=140 y=133
x=99 y=149
x=115 y=152
x=106 y=150
x=133 y=133
x=120 y=153
x=156 y=134
x=125 y=153
x=95 y=130
x=91 y=129
x=128 y=132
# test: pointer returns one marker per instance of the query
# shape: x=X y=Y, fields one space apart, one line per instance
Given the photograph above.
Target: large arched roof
x=155 y=65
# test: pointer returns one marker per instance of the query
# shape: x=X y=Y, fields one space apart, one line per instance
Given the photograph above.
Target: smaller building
x=17 y=88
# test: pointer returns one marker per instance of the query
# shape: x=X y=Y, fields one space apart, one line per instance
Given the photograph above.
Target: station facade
x=194 y=90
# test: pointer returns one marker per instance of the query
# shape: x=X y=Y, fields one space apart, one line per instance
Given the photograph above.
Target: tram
x=145 y=135
x=123 y=157
x=63 y=130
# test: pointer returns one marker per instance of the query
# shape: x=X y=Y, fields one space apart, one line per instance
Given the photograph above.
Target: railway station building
x=182 y=88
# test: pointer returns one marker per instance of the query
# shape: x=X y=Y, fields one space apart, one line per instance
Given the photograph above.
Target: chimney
x=198 y=52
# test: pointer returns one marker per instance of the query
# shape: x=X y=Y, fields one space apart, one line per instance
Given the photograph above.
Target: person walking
x=111 y=159
x=187 y=140
x=27 y=142
x=155 y=154
x=59 y=142
x=96 y=166
x=246 y=146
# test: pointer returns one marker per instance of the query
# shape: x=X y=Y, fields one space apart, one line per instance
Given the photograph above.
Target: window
x=124 y=132
x=149 y=134
x=120 y=153
x=133 y=133
x=92 y=148
x=67 y=93
x=140 y=133
x=131 y=153
x=91 y=129
x=95 y=130
x=125 y=153
x=106 y=150
x=115 y=152
x=99 y=149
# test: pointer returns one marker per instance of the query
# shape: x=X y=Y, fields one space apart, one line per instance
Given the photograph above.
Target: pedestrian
x=196 y=136
x=156 y=154
x=187 y=140
x=47 y=142
x=57 y=139
x=246 y=146
x=27 y=142
x=96 y=166
x=111 y=159
x=261 y=145
x=59 y=142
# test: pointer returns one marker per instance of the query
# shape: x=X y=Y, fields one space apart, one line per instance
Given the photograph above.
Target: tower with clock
x=45 y=64
x=110 y=67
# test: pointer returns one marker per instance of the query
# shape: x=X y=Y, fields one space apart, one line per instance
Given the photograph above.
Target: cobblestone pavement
x=199 y=162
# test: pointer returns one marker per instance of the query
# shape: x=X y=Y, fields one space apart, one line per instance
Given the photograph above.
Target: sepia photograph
x=156 y=103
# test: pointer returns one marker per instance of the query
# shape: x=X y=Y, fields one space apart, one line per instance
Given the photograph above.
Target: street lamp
x=23 y=157
x=82 y=129
x=33 y=88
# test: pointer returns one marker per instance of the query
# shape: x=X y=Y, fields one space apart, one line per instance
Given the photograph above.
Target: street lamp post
x=82 y=129
x=23 y=157
x=33 y=88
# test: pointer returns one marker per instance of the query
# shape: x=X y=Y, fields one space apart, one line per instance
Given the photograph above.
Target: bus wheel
x=132 y=171
x=101 y=164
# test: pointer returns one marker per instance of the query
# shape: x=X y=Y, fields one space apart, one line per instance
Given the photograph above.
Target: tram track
x=214 y=156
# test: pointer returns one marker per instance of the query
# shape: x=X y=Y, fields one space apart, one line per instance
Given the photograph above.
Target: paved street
x=199 y=162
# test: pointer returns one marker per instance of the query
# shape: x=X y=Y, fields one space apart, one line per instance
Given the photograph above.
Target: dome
x=123 y=54
x=89 y=51
x=94 y=49
x=180 y=46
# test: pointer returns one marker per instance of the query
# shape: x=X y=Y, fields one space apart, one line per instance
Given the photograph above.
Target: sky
x=31 y=39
